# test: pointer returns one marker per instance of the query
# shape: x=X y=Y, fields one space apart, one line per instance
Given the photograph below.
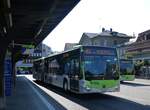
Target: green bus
x=83 y=69
x=127 y=72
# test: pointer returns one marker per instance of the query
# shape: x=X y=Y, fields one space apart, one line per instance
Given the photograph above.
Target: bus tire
x=65 y=85
x=121 y=81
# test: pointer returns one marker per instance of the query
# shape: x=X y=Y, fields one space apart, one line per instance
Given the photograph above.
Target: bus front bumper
x=93 y=90
x=103 y=87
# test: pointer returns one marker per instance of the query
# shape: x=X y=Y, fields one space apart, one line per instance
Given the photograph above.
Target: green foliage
x=146 y=63
x=138 y=65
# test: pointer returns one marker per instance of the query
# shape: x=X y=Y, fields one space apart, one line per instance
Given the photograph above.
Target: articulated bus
x=84 y=69
x=126 y=70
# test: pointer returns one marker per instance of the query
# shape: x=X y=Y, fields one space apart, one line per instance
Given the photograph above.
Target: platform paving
x=26 y=96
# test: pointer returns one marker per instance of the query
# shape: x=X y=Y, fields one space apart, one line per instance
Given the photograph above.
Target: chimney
x=110 y=29
x=103 y=29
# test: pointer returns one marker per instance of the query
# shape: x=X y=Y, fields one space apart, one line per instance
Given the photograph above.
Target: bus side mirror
x=116 y=76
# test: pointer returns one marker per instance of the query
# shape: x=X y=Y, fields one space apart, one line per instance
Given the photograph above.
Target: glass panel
x=126 y=67
x=67 y=68
x=100 y=66
x=76 y=66
x=54 y=67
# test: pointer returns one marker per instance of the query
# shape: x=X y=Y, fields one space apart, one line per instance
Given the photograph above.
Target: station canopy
x=28 y=22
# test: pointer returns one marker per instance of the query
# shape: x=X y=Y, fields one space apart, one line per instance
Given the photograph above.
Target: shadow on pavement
x=25 y=98
x=134 y=84
x=97 y=101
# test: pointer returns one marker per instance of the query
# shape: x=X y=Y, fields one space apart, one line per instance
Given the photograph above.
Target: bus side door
x=74 y=75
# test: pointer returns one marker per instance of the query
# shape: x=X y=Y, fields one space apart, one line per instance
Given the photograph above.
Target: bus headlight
x=84 y=86
x=88 y=89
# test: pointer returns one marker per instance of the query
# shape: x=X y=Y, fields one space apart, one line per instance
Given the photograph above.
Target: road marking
x=47 y=104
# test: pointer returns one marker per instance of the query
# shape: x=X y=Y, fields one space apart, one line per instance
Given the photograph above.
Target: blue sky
x=125 y=16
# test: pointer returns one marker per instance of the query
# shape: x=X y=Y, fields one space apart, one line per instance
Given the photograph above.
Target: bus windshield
x=126 y=67
x=101 y=67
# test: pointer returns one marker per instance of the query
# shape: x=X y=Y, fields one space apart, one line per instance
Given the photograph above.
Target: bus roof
x=39 y=59
x=74 y=48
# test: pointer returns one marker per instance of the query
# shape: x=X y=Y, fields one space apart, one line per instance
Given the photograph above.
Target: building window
x=94 y=43
x=105 y=42
x=101 y=42
x=44 y=50
x=148 y=37
x=115 y=42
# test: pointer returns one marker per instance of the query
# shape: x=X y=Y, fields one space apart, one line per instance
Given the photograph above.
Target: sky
x=124 y=16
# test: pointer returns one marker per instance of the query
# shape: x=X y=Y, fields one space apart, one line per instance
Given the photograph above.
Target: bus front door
x=74 y=83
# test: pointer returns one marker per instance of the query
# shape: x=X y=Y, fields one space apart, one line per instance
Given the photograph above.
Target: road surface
x=132 y=96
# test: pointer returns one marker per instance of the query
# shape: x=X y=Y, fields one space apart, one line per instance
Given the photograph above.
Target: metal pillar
x=3 y=49
x=2 y=98
x=13 y=67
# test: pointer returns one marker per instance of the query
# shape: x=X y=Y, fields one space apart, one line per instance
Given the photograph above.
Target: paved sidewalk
x=142 y=81
x=136 y=91
x=27 y=96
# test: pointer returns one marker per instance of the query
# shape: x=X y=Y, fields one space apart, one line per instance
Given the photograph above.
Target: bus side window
x=46 y=66
x=75 y=67
x=60 y=68
x=35 y=67
x=55 y=67
x=40 y=67
x=67 y=68
x=76 y=62
x=72 y=68
x=49 y=67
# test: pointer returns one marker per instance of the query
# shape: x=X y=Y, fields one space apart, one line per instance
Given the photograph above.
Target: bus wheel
x=65 y=85
x=121 y=81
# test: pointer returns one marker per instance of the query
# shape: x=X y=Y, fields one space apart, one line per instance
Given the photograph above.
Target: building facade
x=140 y=53
x=41 y=50
x=46 y=50
x=140 y=50
x=106 y=38
x=70 y=46
x=122 y=50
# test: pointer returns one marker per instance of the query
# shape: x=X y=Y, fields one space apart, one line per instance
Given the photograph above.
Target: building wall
x=41 y=50
x=69 y=46
x=85 y=40
x=104 y=41
x=141 y=48
x=122 y=51
x=46 y=50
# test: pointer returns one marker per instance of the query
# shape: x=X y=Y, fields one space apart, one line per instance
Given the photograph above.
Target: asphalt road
x=137 y=91
x=132 y=96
